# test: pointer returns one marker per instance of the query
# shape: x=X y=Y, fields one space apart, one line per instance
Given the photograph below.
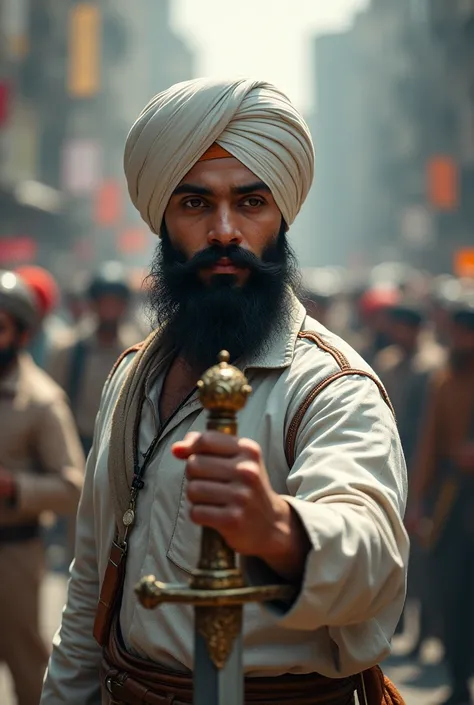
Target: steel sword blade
x=217 y=686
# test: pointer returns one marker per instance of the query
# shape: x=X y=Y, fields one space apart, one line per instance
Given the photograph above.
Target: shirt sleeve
x=348 y=487
x=72 y=677
x=61 y=461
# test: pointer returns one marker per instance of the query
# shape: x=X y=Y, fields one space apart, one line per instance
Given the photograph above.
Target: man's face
x=110 y=308
x=462 y=339
x=222 y=273
x=11 y=339
x=222 y=203
x=404 y=334
x=9 y=335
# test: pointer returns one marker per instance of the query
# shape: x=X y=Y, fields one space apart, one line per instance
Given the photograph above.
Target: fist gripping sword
x=217 y=588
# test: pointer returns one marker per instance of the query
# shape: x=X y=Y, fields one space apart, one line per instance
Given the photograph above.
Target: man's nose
x=223 y=228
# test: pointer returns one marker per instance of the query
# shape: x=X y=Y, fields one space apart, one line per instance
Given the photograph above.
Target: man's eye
x=253 y=201
x=194 y=202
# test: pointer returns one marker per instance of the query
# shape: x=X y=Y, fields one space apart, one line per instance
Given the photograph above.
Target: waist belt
x=20 y=532
x=127 y=688
x=131 y=680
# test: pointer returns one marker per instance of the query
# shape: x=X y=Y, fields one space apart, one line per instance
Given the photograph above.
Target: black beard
x=199 y=320
x=461 y=360
x=8 y=356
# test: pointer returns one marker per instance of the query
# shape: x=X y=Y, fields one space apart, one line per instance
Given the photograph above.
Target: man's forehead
x=218 y=173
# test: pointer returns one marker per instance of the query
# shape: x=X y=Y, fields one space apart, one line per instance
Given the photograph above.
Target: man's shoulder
x=388 y=359
x=320 y=349
x=123 y=362
x=323 y=360
x=42 y=390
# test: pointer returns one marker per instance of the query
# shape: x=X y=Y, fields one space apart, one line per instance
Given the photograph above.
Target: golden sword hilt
x=217 y=586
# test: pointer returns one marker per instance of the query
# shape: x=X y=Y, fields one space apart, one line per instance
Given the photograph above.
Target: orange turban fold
x=215 y=151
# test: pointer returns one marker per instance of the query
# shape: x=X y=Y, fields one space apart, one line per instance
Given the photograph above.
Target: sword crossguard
x=152 y=593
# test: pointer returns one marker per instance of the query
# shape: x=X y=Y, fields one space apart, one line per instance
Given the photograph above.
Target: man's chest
x=457 y=411
x=17 y=433
x=177 y=386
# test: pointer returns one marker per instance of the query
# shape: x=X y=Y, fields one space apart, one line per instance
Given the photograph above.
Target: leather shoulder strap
x=345 y=370
x=133 y=349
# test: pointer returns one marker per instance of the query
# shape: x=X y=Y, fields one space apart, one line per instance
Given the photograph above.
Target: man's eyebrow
x=192 y=188
x=250 y=188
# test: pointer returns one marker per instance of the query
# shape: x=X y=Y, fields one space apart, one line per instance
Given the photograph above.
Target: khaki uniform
x=98 y=361
x=448 y=425
x=39 y=445
x=348 y=485
x=406 y=378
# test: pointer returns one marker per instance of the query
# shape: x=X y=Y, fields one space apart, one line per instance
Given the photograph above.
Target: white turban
x=251 y=119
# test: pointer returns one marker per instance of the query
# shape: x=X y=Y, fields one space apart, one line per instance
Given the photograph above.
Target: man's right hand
x=417 y=523
x=7 y=484
x=465 y=459
x=413 y=518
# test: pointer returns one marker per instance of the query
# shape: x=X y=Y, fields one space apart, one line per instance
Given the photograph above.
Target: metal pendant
x=128 y=517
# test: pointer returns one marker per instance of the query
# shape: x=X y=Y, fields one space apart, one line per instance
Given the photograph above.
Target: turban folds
x=251 y=119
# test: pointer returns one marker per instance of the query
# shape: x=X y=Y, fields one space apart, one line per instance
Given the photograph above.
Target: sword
x=217 y=588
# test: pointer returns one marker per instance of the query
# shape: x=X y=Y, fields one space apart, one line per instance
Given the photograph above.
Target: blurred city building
x=73 y=77
x=394 y=131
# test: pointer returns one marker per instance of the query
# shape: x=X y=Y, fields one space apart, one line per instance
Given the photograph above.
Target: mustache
x=237 y=255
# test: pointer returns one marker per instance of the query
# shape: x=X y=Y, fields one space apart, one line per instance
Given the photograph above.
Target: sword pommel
x=223 y=391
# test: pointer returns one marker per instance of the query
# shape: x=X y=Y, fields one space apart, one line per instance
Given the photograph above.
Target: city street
x=420 y=685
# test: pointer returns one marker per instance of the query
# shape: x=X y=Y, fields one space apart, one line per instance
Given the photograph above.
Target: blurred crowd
x=415 y=330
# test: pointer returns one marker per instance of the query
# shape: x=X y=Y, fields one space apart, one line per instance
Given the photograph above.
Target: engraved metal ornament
x=220 y=627
x=128 y=517
x=223 y=388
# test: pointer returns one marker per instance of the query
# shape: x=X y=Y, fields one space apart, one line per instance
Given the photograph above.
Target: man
x=321 y=287
x=444 y=479
x=405 y=368
x=41 y=469
x=51 y=330
x=220 y=170
x=81 y=364
x=372 y=308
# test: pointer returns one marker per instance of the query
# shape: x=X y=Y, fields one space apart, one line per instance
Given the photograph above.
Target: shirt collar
x=280 y=352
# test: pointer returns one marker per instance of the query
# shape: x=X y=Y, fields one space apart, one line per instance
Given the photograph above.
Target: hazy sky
x=264 y=38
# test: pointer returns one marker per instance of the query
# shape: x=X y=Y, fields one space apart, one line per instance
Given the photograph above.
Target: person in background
x=81 y=365
x=372 y=308
x=320 y=287
x=75 y=303
x=442 y=488
x=50 y=329
x=405 y=368
x=446 y=292
x=41 y=469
